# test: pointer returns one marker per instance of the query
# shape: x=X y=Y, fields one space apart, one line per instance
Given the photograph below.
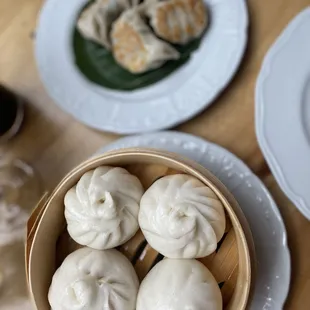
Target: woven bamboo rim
x=232 y=264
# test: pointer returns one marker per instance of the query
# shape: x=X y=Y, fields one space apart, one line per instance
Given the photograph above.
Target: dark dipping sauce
x=8 y=110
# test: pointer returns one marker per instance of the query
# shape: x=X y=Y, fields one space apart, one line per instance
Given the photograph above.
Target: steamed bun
x=102 y=209
x=181 y=217
x=177 y=284
x=96 y=280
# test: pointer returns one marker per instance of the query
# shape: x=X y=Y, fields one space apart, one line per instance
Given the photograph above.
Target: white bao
x=181 y=217
x=102 y=209
x=92 y=279
x=179 y=284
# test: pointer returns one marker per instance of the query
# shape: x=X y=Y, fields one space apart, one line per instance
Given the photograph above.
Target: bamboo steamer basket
x=48 y=242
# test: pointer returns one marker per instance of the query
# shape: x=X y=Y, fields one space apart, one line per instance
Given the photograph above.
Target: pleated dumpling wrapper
x=176 y=284
x=102 y=208
x=181 y=217
x=96 y=20
x=96 y=280
x=135 y=47
x=177 y=21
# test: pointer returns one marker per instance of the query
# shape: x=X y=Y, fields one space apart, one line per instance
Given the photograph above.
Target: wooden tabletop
x=53 y=142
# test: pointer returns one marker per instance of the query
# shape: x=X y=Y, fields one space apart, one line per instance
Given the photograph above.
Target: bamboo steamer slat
x=48 y=242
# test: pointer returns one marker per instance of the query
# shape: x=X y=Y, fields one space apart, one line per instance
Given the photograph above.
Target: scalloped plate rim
x=265 y=72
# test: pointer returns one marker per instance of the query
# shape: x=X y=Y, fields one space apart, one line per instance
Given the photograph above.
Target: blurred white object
x=13 y=221
x=175 y=99
x=19 y=193
x=13 y=288
x=283 y=111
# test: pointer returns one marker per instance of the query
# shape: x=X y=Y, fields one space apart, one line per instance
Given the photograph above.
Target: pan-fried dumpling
x=177 y=284
x=177 y=21
x=96 y=280
x=181 y=217
x=102 y=208
x=135 y=47
x=96 y=20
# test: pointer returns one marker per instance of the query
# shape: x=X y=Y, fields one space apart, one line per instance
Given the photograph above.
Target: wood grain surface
x=53 y=142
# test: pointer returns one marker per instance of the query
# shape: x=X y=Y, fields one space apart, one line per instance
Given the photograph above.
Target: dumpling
x=102 y=209
x=181 y=217
x=177 y=21
x=92 y=279
x=134 y=45
x=96 y=20
x=177 y=284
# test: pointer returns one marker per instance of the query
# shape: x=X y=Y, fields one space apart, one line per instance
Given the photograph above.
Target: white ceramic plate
x=273 y=259
x=283 y=110
x=171 y=101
